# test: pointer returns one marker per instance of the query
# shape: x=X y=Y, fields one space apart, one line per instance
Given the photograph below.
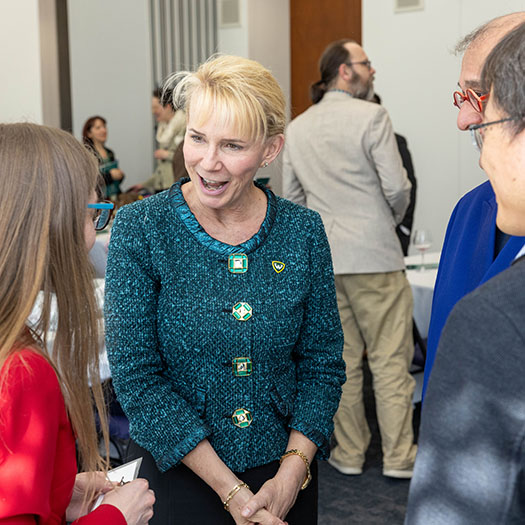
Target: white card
x=123 y=474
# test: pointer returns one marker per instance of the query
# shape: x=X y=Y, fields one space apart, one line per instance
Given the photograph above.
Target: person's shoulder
x=471 y=207
x=367 y=108
x=27 y=367
x=301 y=119
x=477 y=195
x=297 y=211
x=496 y=298
x=502 y=288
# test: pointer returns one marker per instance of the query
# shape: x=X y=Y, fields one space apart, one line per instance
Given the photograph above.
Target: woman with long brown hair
x=47 y=226
x=94 y=135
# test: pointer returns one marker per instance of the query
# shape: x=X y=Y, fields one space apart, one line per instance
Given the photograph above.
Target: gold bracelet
x=232 y=493
x=295 y=452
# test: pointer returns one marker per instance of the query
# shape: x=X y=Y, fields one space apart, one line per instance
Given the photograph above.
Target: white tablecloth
x=422 y=284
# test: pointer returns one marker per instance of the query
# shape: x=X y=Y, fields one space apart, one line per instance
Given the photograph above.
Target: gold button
x=242 y=311
x=242 y=366
x=242 y=418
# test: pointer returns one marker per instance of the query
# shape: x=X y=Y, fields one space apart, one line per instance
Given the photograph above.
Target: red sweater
x=37 y=449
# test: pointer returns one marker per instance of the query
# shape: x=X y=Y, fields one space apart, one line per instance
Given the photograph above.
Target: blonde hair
x=238 y=92
x=47 y=177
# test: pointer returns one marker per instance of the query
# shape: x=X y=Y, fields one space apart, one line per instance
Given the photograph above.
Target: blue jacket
x=467 y=260
x=172 y=334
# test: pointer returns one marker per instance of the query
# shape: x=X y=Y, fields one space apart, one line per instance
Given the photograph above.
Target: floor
x=369 y=498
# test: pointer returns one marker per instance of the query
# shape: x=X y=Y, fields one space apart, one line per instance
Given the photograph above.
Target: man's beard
x=360 y=89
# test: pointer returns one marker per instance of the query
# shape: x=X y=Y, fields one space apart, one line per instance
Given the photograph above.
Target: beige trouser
x=376 y=314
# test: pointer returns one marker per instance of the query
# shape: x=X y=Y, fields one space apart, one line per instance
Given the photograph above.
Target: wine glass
x=422 y=241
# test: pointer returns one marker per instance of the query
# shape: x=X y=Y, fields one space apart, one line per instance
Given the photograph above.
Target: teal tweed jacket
x=238 y=350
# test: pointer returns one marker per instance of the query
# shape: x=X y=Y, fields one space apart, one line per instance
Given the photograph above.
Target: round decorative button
x=242 y=418
x=242 y=311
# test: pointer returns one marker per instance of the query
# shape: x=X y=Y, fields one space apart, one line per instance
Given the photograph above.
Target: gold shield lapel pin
x=278 y=266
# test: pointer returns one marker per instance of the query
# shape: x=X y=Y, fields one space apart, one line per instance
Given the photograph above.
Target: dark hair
x=503 y=76
x=333 y=56
x=90 y=122
x=165 y=95
x=376 y=98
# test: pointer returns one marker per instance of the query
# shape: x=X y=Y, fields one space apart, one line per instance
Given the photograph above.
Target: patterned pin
x=242 y=366
x=242 y=418
x=278 y=266
x=242 y=311
x=238 y=263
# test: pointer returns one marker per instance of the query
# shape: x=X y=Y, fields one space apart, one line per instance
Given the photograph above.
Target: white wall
x=234 y=40
x=416 y=75
x=263 y=35
x=21 y=86
x=111 y=76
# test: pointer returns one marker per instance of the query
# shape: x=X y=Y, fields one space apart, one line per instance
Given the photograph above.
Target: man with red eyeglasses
x=474 y=250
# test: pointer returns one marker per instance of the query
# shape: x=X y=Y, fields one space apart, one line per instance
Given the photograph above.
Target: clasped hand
x=269 y=506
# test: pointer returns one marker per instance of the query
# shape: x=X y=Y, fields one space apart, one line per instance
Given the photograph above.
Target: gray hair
x=503 y=76
x=498 y=24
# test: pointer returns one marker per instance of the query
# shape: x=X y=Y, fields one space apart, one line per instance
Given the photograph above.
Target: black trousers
x=185 y=499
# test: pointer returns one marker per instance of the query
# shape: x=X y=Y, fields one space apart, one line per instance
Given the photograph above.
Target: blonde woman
x=47 y=226
x=222 y=327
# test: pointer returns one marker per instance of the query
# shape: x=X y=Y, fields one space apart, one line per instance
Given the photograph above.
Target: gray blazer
x=470 y=466
x=341 y=159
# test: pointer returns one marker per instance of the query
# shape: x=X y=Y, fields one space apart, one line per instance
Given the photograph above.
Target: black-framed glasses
x=365 y=63
x=104 y=210
x=477 y=135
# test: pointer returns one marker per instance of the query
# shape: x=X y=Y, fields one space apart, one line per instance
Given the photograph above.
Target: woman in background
x=94 y=136
x=47 y=226
x=222 y=327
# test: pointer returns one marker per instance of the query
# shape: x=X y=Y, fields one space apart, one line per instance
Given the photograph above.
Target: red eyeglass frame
x=475 y=100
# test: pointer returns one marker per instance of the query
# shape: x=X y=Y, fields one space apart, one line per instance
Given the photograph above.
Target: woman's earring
x=265 y=164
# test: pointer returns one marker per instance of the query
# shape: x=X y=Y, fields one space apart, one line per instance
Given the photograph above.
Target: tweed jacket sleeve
x=137 y=367
x=320 y=367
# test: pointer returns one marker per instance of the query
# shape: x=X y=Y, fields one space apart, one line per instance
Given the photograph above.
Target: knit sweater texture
x=172 y=337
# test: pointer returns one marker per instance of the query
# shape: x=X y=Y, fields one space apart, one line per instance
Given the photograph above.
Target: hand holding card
x=121 y=475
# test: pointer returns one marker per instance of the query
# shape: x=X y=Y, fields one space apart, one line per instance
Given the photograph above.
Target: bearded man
x=341 y=159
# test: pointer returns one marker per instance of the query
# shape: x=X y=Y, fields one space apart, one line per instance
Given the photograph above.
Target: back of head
x=504 y=77
x=238 y=92
x=333 y=56
x=493 y=29
x=47 y=177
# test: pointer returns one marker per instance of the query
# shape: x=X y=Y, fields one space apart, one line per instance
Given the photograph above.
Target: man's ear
x=345 y=72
